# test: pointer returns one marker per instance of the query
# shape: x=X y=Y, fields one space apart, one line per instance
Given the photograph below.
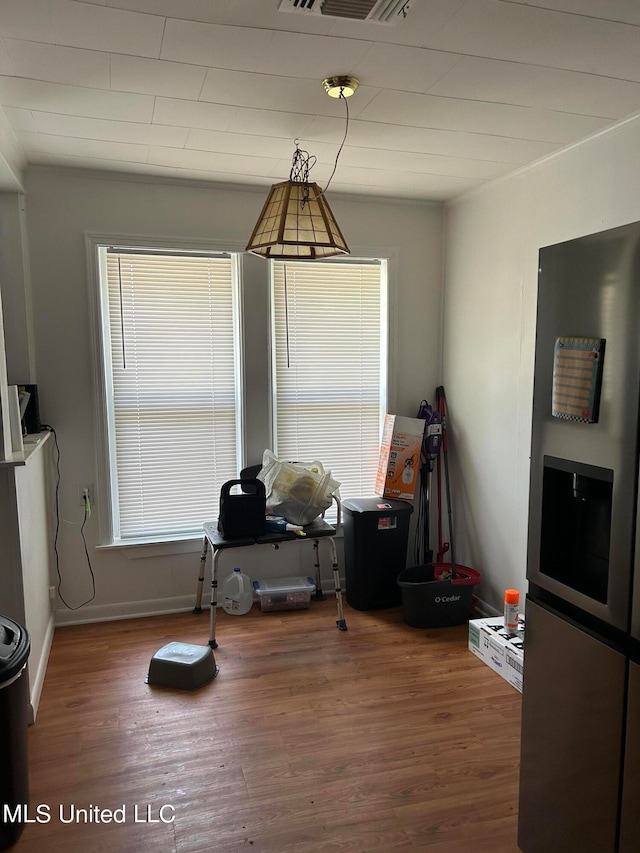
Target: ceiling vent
x=377 y=11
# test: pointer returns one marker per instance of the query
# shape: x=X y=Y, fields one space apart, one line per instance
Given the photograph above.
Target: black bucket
x=428 y=602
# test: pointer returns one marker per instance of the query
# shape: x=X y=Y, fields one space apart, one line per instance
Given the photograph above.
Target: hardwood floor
x=381 y=738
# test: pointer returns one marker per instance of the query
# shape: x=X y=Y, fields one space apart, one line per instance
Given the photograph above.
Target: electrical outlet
x=86 y=488
x=52 y=592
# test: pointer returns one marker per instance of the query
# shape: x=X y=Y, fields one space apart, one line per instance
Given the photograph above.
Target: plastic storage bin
x=14 y=703
x=284 y=593
x=376 y=535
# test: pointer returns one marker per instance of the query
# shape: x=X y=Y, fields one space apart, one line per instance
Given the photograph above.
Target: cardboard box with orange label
x=399 y=457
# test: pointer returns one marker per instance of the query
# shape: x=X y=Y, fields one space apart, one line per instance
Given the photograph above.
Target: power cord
x=87 y=515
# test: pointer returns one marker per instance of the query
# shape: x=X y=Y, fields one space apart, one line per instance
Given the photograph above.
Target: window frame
x=386 y=338
x=255 y=418
x=102 y=377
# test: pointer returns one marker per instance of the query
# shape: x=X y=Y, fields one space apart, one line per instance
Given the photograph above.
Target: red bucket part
x=465 y=576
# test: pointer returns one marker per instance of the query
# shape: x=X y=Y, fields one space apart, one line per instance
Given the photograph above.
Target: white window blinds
x=330 y=367
x=169 y=328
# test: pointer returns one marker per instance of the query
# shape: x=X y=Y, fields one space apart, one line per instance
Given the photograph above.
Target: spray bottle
x=511 y=609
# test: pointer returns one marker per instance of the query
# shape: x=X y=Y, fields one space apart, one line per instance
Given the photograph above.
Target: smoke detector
x=376 y=11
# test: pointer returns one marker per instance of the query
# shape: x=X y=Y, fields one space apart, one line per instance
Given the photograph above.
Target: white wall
x=492 y=238
x=61 y=208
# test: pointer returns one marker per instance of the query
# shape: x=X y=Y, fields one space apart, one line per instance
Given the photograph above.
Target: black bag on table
x=242 y=514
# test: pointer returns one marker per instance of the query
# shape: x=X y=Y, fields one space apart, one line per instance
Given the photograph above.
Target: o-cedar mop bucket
x=433 y=599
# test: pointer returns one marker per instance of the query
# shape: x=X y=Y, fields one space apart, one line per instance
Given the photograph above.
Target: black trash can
x=376 y=534
x=14 y=703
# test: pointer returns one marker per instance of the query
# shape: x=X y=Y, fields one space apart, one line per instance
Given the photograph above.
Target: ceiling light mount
x=340 y=86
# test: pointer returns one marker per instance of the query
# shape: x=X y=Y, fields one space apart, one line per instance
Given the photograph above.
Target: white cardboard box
x=500 y=650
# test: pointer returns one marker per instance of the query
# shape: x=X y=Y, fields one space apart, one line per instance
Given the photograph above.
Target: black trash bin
x=376 y=535
x=14 y=703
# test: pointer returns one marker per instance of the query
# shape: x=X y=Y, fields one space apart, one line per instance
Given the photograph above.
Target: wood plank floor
x=381 y=738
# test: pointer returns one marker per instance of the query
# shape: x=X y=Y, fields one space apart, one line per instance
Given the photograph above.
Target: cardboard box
x=500 y=650
x=399 y=457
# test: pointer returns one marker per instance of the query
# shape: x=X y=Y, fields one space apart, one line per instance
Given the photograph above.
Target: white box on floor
x=502 y=651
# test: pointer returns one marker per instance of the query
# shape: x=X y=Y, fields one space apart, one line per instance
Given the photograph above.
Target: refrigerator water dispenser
x=576 y=525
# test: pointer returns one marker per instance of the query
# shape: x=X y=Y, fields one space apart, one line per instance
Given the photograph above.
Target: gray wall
x=63 y=206
x=492 y=240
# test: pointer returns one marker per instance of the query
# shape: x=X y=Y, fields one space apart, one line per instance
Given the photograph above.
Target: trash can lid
x=377 y=506
x=14 y=648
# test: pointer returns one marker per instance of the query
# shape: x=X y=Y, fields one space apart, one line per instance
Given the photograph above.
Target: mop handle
x=442 y=408
x=439 y=484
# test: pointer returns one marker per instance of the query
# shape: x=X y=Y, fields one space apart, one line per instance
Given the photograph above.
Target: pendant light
x=296 y=222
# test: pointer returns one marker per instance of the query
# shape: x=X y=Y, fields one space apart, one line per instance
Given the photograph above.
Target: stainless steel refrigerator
x=580 y=752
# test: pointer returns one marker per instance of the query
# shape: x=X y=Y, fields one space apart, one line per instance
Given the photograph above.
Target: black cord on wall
x=87 y=513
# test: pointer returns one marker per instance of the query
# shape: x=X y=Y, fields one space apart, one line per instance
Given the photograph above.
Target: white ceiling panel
x=21 y=119
x=475 y=116
x=6 y=65
x=99 y=28
x=56 y=64
x=106 y=131
x=156 y=77
x=479 y=146
x=83 y=147
x=457 y=94
x=410 y=69
x=219 y=162
x=270 y=123
x=410 y=161
x=191 y=10
x=493 y=81
x=360 y=133
x=74 y=100
x=212 y=45
x=193 y=114
x=625 y=11
x=26 y=19
x=492 y=28
x=590 y=45
x=240 y=143
x=293 y=54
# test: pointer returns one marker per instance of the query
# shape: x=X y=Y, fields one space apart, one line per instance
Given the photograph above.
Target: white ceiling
x=459 y=93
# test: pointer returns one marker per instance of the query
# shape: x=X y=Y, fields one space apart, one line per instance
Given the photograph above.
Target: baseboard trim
x=483 y=610
x=41 y=671
x=137 y=609
x=126 y=610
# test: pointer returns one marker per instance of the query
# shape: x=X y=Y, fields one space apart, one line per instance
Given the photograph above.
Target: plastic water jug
x=237 y=594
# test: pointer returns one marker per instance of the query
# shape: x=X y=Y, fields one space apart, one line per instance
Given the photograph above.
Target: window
x=171 y=380
x=186 y=392
x=329 y=336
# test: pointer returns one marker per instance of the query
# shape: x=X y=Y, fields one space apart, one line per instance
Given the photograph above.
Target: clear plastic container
x=237 y=594
x=285 y=593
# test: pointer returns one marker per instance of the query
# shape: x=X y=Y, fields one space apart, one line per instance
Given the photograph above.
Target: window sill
x=188 y=544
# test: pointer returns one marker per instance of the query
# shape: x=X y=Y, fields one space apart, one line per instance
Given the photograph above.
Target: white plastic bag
x=299 y=491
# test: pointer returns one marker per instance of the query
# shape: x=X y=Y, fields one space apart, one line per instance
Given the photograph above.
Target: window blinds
x=171 y=373
x=329 y=367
